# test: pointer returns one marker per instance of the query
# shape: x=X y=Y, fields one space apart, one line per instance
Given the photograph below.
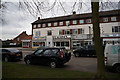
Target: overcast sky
x=17 y=20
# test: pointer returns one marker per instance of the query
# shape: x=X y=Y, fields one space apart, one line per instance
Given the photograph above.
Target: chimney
x=74 y=12
x=38 y=18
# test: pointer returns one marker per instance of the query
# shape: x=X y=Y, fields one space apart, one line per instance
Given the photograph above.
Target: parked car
x=48 y=56
x=10 y=54
x=87 y=50
x=112 y=57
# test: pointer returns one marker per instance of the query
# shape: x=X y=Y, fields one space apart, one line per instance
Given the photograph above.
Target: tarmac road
x=84 y=64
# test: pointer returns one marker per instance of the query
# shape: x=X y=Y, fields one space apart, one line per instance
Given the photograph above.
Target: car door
x=47 y=54
x=37 y=56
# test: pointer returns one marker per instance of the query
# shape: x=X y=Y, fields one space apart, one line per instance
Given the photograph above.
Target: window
x=105 y=19
x=60 y=32
x=38 y=52
x=34 y=26
x=43 y=25
x=39 y=25
x=67 y=23
x=113 y=18
x=88 y=20
x=81 y=31
x=47 y=52
x=116 y=29
x=60 y=23
x=75 y=31
x=81 y=21
x=67 y=31
x=74 y=22
x=37 y=33
x=49 y=32
x=55 y=23
x=18 y=39
x=49 y=24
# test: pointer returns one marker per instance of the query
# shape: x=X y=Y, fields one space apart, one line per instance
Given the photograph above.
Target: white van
x=112 y=56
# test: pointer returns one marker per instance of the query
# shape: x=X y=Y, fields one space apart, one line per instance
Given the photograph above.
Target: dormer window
x=39 y=25
x=49 y=24
x=74 y=22
x=55 y=23
x=34 y=26
x=61 y=23
x=67 y=23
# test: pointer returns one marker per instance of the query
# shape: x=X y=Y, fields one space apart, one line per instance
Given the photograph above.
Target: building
x=18 y=40
x=75 y=30
x=27 y=42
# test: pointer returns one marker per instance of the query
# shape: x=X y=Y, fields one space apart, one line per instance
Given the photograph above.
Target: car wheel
x=76 y=54
x=53 y=64
x=28 y=61
x=6 y=59
x=117 y=68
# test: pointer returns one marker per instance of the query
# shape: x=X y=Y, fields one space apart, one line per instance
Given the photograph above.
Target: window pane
x=39 y=25
x=61 y=23
x=113 y=18
x=55 y=23
x=49 y=32
x=49 y=24
x=43 y=25
x=81 y=21
x=105 y=19
x=88 y=21
x=74 y=22
x=34 y=26
x=67 y=23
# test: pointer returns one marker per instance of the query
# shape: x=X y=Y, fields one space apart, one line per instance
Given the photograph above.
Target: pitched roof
x=28 y=37
x=77 y=16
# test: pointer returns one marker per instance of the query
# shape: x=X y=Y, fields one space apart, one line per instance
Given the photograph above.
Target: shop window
x=116 y=29
x=74 y=31
x=39 y=25
x=74 y=22
x=88 y=20
x=61 y=23
x=113 y=18
x=55 y=23
x=60 y=32
x=81 y=21
x=49 y=32
x=105 y=19
x=49 y=24
x=67 y=44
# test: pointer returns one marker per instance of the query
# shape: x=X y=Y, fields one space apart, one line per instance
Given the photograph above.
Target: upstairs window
x=39 y=25
x=88 y=20
x=105 y=19
x=75 y=31
x=113 y=19
x=49 y=32
x=60 y=32
x=74 y=22
x=34 y=26
x=60 y=23
x=67 y=23
x=43 y=25
x=49 y=24
x=81 y=21
x=55 y=23
x=116 y=29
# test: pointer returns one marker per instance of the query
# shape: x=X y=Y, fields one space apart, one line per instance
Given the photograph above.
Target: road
x=84 y=64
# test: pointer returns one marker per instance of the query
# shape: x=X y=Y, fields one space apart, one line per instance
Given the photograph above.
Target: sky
x=18 y=19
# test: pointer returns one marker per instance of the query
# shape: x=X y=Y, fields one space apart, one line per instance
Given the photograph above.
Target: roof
x=28 y=37
x=77 y=16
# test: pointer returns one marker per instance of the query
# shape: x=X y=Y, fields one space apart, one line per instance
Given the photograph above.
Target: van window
x=115 y=49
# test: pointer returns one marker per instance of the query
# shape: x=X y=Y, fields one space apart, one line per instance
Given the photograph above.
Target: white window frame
x=113 y=18
x=55 y=23
x=43 y=25
x=49 y=24
x=88 y=20
x=34 y=26
x=74 y=22
x=39 y=25
x=61 y=23
x=67 y=23
x=105 y=19
x=80 y=21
